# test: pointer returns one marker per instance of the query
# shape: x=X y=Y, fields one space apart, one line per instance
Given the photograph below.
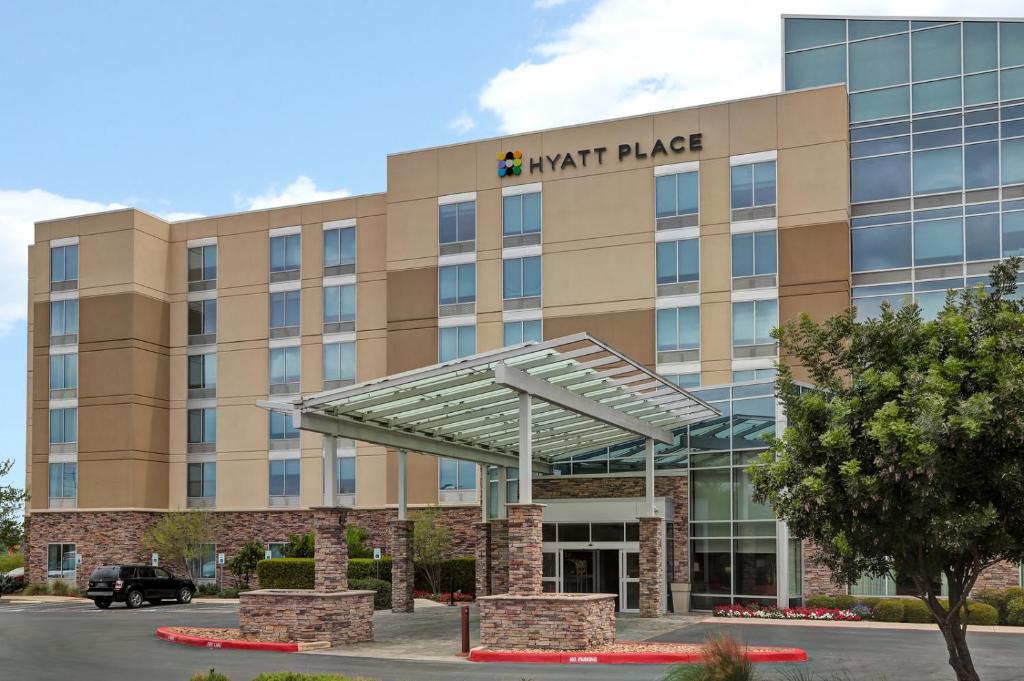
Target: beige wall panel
x=312 y=312
x=151 y=258
x=371 y=305
x=41 y=321
x=123 y=372
x=40 y=429
x=338 y=209
x=39 y=476
x=243 y=482
x=813 y=218
x=488 y=220
x=311 y=487
x=421 y=475
x=371 y=479
x=134 y=429
x=489 y=336
x=177 y=324
x=532 y=145
x=287 y=216
x=177 y=430
x=753 y=125
x=122 y=484
x=177 y=490
x=609 y=204
x=152 y=225
x=715 y=263
x=715 y=377
x=813 y=117
x=629 y=332
x=243 y=373
x=371 y=204
x=242 y=318
x=814 y=179
x=121 y=316
x=411 y=349
x=819 y=306
x=105 y=259
x=312 y=362
x=371 y=359
x=243 y=259
x=714 y=129
x=313 y=250
x=715 y=331
x=311 y=214
x=39 y=378
x=714 y=192
x=599 y=275
x=813 y=254
x=412 y=294
x=412 y=175
x=39 y=269
x=456 y=169
x=671 y=123
x=198 y=229
x=177 y=268
x=242 y=429
x=255 y=221
x=105 y=222
x=371 y=244
x=634 y=134
x=487 y=163
x=412 y=233
x=489 y=286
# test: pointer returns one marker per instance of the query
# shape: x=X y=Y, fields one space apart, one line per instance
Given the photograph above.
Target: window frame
x=522 y=232
x=688 y=285
x=756 y=342
x=207 y=484
x=68 y=334
x=755 y=210
x=287 y=241
x=62 y=466
x=208 y=385
x=338 y=320
x=460 y=275
x=521 y=323
x=458 y=340
x=63 y=388
x=457 y=207
x=523 y=297
x=289 y=301
x=290 y=471
x=204 y=311
x=287 y=434
x=65 y=283
x=202 y=281
x=342 y=378
x=66 y=415
x=343 y=266
x=343 y=462
x=207 y=417
x=290 y=384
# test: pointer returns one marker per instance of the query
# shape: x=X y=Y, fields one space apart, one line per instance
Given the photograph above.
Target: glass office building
x=936 y=146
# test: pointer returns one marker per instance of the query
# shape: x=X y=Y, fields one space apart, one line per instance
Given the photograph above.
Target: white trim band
x=675 y=168
x=285 y=231
x=339 y=224
x=519 y=189
x=456 y=198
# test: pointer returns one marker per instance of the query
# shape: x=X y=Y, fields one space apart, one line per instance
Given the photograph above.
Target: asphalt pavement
x=75 y=640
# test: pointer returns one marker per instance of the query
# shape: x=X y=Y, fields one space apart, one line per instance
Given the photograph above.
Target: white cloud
x=18 y=211
x=548 y=4
x=462 y=123
x=178 y=216
x=624 y=57
x=302 y=190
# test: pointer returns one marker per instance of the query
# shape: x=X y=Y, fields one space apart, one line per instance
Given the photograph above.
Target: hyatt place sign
x=513 y=162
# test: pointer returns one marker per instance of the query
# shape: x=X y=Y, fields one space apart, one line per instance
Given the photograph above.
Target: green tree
x=301 y=545
x=12 y=500
x=907 y=457
x=243 y=565
x=431 y=544
x=356 y=538
x=179 y=536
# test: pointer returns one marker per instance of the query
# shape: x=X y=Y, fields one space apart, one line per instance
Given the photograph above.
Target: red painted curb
x=583 y=657
x=166 y=634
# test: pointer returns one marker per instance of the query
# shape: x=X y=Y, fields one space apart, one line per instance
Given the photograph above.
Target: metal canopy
x=584 y=394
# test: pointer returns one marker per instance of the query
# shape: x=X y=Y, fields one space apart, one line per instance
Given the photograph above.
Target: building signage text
x=513 y=163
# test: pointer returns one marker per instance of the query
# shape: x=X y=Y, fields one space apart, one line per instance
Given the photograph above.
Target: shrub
x=285 y=573
x=61 y=588
x=890 y=610
x=821 y=601
x=724 y=660
x=208 y=589
x=982 y=614
x=300 y=545
x=231 y=592
x=10 y=561
x=455 y=573
x=845 y=601
x=356 y=538
x=244 y=563
x=869 y=601
x=367 y=568
x=37 y=589
x=381 y=591
x=1015 y=612
x=211 y=675
x=999 y=599
x=916 y=611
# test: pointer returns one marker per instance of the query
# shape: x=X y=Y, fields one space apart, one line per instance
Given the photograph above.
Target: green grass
x=9 y=561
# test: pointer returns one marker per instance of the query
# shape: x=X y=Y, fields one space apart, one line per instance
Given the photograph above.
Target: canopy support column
x=330 y=468
x=525 y=448
x=649 y=474
x=403 y=487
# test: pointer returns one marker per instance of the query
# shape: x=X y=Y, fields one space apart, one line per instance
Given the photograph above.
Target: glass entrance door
x=629 y=583
x=579 y=571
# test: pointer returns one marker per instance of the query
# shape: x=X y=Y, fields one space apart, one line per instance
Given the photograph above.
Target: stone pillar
x=402 y=569
x=330 y=560
x=525 y=563
x=499 y=556
x=482 y=532
x=652 y=577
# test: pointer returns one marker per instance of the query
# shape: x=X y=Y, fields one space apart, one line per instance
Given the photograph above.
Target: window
x=867 y=106
x=981 y=165
x=61 y=562
x=202 y=480
x=678 y=262
x=339 y=363
x=63 y=480
x=456 y=225
x=754 y=375
x=205 y=566
x=754 y=255
x=691 y=380
x=881 y=248
x=285 y=313
x=340 y=306
x=277 y=549
x=813 y=68
x=938 y=241
x=522 y=332
x=284 y=369
x=281 y=427
x=457 y=284
x=456 y=341
x=63 y=318
x=202 y=375
x=753 y=190
x=982 y=237
x=521 y=277
x=340 y=250
x=803 y=33
x=521 y=215
x=936 y=53
x=64 y=267
x=677 y=195
x=346 y=475
x=202 y=321
x=284 y=477
x=63 y=426
x=752 y=323
x=202 y=266
x=938 y=170
x=285 y=253
x=454 y=474
x=678 y=328
x=879 y=62
x=881 y=177
x=1013 y=234
x=64 y=372
x=202 y=425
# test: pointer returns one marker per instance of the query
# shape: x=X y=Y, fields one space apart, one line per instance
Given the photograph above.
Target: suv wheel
x=185 y=595
x=134 y=598
x=102 y=603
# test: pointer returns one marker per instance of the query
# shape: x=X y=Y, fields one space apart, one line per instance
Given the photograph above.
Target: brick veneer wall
x=651 y=575
x=548 y=621
x=1000 y=576
x=675 y=487
x=290 y=615
x=402 y=570
x=525 y=567
x=818 y=578
x=459 y=519
x=483 y=559
x=331 y=556
x=499 y=556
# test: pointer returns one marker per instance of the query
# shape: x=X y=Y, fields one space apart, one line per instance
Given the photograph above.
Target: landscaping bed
x=221 y=637
x=631 y=652
x=799 y=613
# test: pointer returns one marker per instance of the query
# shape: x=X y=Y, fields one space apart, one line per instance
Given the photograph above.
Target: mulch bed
x=218 y=634
x=634 y=647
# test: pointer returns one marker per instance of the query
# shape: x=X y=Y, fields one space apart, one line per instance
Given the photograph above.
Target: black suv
x=132 y=584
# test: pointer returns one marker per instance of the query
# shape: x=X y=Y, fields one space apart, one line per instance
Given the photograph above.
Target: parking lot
x=74 y=639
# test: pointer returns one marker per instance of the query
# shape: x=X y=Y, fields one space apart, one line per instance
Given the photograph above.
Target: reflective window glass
x=1013 y=234
x=869 y=106
x=339 y=361
x=879 y=62
x=981 y=88
x=1012 y=161
x=339 y=247
x=882 y=177
x=938 y=241
x=936 y=95
x=888 y=145
x=456 y=341
x=678 y=261
x=1011 y=84
x=869 y=28
x=982 y=236
x=939 y=170
x=935 y=53
x=802 y=33
x=711 y=498
x=346 y=475
x=678 y=328
x=457 y=284
x=1011 y=44
x=979 y=46
x=981 y=165
x=813 y=68
x=881 y=248
x=285 y=253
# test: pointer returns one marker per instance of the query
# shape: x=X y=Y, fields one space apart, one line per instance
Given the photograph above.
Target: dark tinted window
x=127 y=573
x=144 y=572
x=102 y=574
x=160 y=573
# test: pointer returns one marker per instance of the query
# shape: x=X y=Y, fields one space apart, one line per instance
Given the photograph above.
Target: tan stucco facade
x=599 y=234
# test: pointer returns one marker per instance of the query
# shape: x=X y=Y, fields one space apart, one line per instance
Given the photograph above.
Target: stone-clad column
x=525 y=566
x=499 y=556
x=330 y=559
x=402 y=575
x=482 y=532
x=652 y=577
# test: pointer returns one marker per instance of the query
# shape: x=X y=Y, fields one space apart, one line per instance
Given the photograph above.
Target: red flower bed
x=444 y=597
x=800 y=613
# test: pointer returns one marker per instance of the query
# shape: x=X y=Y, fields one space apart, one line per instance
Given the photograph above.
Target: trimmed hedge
x=915 y=611
x=821 y=601
x=285 y=573
x=890 y=610
x=457 y=574
x=1000 y=600
x=983 y=614
x=1015 y=612
x=366 y=568
x=381 y=591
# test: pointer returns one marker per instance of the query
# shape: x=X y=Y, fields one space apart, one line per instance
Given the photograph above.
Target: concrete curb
x=863 y=624
x=481 y=654
x=167 y=634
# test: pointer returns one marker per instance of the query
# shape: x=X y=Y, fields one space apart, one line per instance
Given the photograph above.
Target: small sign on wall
x=268 y=554
x=220 y=559
x=376 y=554
x=155 y=559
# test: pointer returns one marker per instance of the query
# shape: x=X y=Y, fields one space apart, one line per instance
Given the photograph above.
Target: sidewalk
x=863 y=624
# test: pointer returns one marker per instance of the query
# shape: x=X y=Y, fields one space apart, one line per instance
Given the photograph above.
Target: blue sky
x=196 y=108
